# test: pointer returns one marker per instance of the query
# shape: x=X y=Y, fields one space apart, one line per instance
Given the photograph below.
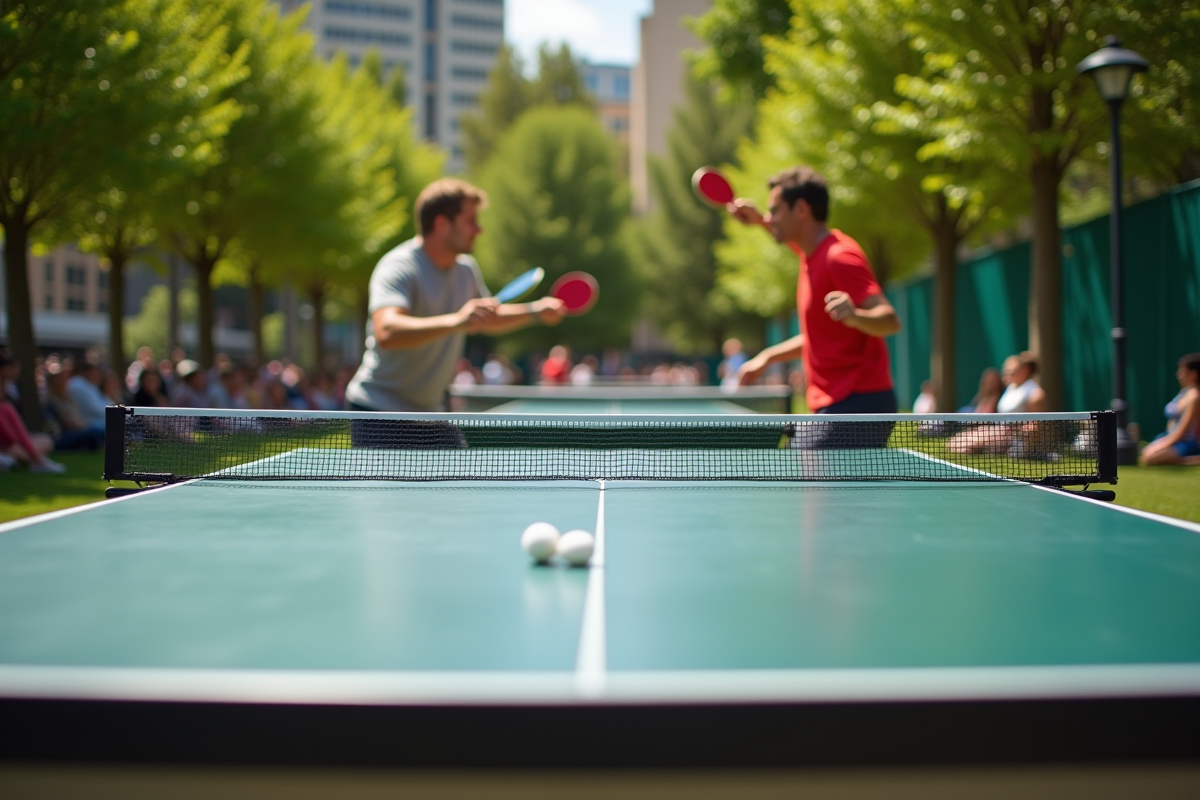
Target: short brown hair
x=1192 y=362
x=1028 y=358
x=803 y=183
x=445 y=198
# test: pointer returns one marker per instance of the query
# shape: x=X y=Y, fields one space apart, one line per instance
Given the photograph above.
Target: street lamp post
x=1112 y=67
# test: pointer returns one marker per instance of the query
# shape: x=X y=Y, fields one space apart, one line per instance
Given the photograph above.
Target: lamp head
x=1112 y=67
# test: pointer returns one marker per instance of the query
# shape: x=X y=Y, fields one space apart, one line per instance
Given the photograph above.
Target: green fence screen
x=1162 y=310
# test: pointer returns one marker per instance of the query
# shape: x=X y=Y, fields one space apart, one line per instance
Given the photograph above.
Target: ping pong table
x=769 y=631
x=622 y=398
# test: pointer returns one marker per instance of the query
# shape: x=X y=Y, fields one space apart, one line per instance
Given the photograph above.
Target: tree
x=510 y=94
x=1003 y=73
x=678 y=267
x=846 y=63
x=272 y=165
x=116 y=220
x=69 y=71
x=735 y=31
x=556 y=203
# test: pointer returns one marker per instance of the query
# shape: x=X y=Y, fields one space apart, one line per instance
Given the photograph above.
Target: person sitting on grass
x=1180 y=444
x=74 y=432
x=17 y=444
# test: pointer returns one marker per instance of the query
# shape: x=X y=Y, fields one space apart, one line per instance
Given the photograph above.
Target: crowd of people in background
x=74 y=392
x=1014 y=389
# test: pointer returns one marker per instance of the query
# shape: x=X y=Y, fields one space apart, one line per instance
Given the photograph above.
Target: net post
x=114 y=442
x=1106 y=440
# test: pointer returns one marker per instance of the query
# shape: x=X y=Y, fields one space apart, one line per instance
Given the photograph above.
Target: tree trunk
x=258 y=304
x=1045 y=281
x=21 y=343
x=942 y=354
x=204 y=317
x=316 y=296
x=116 y=312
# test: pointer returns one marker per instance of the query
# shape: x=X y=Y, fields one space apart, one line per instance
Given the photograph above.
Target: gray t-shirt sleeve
x=482 y=286
x=394 y=283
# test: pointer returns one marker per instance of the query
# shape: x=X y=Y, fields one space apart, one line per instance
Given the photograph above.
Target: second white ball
x=575 y=547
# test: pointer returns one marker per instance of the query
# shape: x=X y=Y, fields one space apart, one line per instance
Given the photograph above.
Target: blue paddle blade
x=525 y=282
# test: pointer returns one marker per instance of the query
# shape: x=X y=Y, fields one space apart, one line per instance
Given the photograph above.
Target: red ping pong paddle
x=712 y=187
x=578 y=291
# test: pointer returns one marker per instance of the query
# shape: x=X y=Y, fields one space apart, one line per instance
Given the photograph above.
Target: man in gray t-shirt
x=426 y=295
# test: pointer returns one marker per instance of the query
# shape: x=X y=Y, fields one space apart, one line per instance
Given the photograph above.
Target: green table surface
x=733 y=583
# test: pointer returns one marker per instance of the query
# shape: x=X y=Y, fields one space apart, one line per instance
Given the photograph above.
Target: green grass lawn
x=1172 y=491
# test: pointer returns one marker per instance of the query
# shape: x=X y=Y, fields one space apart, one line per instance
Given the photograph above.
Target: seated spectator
x=583 y=373
x=464 y=373
x=227 y=390
x=727 y=370
x=84 y=388
x=1180 y=444
x=189 y=388
x=991 y=386
x=497 y=372
x=1022 y=395
x=926 y=402
x=556 y=369
x=73 y=431
x=149 y=390
x=17 y=444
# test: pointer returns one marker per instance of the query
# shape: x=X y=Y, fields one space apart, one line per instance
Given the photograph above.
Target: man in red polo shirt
x=844 y=316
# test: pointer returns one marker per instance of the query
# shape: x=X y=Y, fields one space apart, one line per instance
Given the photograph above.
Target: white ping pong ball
x=575 y=547
x=540 y=540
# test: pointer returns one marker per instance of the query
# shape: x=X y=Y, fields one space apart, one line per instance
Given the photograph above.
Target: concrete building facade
x=445 y=47
x=658 y=86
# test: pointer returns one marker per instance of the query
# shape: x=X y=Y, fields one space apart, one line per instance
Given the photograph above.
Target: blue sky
x=602 y=31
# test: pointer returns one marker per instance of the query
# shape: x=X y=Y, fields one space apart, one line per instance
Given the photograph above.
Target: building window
x=618 y=125
x=620 y=87
x=76 y=276
x=49 y=272
x=477 y=23
x=466 y=48
x=469 y=73
x=49 y=302
x=592 y=81
x=355 y=36
x=102 y=280
x=495 y=3
x=75 y=304
x=468 y=100
x=373 y=10
x=431 y=10
x=430 y=62
x=430 y=116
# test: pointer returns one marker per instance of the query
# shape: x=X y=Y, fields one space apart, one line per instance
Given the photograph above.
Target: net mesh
x=741 y=447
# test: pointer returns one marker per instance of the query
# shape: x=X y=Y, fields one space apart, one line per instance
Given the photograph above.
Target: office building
x=445 y=47
x=658 y=86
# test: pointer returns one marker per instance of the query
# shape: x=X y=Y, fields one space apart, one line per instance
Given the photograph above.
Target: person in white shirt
x=1022 y=393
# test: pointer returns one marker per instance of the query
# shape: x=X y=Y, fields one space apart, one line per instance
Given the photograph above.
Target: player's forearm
x=512 y=317
x=787 y=350
x=403 y=332
x=879 y=321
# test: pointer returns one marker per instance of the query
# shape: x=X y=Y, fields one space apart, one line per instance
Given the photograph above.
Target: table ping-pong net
x=163 y=445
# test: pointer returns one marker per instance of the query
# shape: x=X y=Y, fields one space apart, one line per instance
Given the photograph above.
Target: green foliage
x=556 y=203
x=735 y=31
x=150 y=327
x=510 y=94
x=676 y=242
